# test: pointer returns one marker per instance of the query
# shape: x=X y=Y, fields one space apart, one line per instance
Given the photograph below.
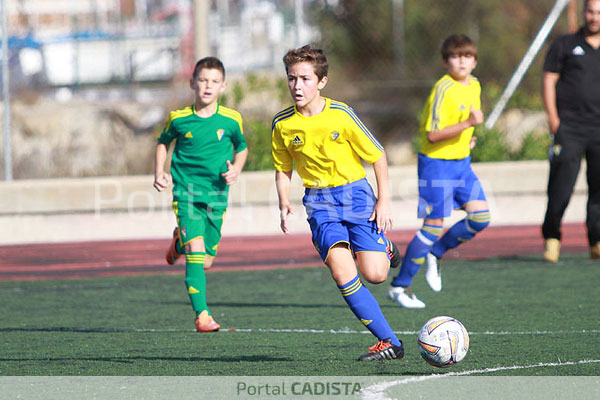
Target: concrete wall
x=112 y=208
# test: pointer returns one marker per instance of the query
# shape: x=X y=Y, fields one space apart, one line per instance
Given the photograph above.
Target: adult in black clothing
x=571 y=93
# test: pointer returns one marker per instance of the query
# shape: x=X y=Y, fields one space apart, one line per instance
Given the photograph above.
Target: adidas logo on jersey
x=334 y=135
x=297 y=140
x=578 y=51
x=189 y=135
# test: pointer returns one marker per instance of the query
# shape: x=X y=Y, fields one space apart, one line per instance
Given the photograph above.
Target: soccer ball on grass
x=443 y=341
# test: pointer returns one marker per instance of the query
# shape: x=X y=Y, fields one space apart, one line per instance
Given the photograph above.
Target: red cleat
x=206 y=323
x=172 y=254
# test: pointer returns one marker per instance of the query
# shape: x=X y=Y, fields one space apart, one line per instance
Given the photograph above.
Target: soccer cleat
x=552 y=250
x=394 y=254
x=405 y=297
x=595 y=251
x=172 y=254
x=384 y=350
x=206 y=323
x=433 y=274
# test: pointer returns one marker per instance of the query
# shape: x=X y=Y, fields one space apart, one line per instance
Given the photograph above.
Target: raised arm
x=234 y=170
x=450 y=131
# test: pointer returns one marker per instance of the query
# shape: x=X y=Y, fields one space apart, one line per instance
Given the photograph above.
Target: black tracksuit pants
x=570 y=145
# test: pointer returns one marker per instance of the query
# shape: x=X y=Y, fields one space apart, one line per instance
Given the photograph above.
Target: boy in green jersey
x=209 y=155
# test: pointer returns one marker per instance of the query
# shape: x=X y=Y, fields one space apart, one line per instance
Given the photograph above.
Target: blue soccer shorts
x=445 y=185
x=341 y=215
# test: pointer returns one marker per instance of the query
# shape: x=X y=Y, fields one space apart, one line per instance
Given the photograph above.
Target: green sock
x=195 y=280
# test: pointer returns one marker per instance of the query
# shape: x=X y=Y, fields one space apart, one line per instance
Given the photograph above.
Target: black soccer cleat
x=384 y=350
x=394 y=254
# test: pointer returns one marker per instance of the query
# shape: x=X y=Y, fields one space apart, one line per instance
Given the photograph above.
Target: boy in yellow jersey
x=327 y=141
x=446 y=179
x=209 y=155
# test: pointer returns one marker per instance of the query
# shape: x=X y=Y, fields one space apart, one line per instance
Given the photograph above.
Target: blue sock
x=367 y=310
x=463 y=231
x=415 y=254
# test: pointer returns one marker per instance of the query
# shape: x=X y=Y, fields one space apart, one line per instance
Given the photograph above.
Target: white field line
x=377 y=391
x=345 y=331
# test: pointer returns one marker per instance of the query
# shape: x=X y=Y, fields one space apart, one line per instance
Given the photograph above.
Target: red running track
x=142 y=257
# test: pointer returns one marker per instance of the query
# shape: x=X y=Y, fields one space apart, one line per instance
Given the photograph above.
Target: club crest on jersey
x=297 y=140
x=220 y=133
x=578 y=51
x=335 y=135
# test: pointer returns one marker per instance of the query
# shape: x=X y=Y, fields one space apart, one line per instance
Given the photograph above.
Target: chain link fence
x=384 y=58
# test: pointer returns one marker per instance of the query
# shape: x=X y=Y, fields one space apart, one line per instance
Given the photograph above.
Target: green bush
x=491 y=146
x=534 y=147
x=258 y=138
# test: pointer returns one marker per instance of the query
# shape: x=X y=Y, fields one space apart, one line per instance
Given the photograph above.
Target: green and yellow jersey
x=200 y=156
x=327 y=148
x=449 y=103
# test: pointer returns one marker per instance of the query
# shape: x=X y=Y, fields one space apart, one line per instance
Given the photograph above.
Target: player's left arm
x=450 y=131
x=382 y=214
x=241 y=153
x=234 y=170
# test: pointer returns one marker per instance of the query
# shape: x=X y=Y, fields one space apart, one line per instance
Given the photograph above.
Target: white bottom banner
x=300 y=387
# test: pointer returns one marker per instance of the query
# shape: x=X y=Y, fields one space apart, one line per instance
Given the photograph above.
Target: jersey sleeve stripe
x=440 y=91
x=350 y=112
x=232 y=114
x=282 y=115
x=184 y=112
x=285 y=110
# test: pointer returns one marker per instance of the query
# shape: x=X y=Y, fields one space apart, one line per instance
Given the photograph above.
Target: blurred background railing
x=91 y=81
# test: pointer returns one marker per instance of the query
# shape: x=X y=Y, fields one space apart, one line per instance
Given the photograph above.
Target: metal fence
x=384 y=54
x=102 y=41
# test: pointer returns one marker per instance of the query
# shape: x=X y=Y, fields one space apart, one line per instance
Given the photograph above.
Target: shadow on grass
x=254 y=305
x=129 y=360
x=65 y=329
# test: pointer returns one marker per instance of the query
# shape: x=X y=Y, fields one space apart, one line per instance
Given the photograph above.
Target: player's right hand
x=285 y=211
x=162 y=180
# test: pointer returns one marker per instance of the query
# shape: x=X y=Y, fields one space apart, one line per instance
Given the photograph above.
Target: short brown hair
x=458 y=44
x=208 y=63
x=307 y=53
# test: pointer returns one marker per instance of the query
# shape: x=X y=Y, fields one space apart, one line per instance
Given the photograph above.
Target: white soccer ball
x=443 y=341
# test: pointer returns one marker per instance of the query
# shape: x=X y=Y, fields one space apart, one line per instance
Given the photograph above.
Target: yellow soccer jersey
x=327 y=147
x=449 y=103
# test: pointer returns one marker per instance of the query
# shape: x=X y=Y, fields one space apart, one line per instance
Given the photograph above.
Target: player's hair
x=458 y=44
x=208 y=63
x=307 y=53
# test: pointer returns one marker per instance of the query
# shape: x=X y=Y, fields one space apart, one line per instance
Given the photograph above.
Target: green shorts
x=198 y=221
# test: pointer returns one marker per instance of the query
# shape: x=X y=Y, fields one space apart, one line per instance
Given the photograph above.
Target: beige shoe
x=595 y=251
x=552 y=251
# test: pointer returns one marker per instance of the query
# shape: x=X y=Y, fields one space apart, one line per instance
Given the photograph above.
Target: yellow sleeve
x=282 y=159
x=438 y=116
x=363 y=142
